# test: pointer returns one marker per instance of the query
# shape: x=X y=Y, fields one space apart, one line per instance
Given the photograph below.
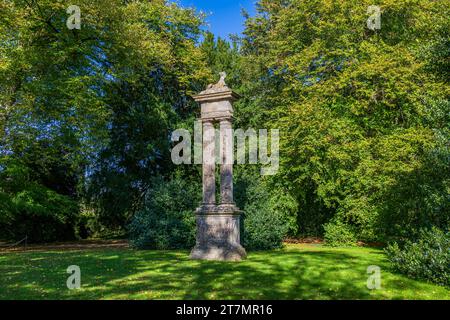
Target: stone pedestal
x=218 y=236
x=218 y=226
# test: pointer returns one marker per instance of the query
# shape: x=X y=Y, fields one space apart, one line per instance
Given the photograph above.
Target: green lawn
x=295 y=272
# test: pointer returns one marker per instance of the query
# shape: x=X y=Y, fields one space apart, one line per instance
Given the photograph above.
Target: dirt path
x=79 y=245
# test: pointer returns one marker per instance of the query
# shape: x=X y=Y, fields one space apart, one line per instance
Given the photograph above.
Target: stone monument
x=218 y=225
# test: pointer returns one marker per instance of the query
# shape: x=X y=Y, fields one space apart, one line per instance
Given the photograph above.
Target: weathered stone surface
x=217 y=109
x=218 y=238
x=226 y=169
x=209 y=164
x=219 y=253
x=229 y=209
x=216 y=101
x=218 y=226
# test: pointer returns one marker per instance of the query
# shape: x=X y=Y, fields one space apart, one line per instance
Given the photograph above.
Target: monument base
x=218 y=236
x=219 y=253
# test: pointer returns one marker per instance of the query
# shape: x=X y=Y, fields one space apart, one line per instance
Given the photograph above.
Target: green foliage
x=30 y=209
x=155 y=71
x=90 y=226
x=167 y=220
x=89 y=111
x=338 y=234
x=363 y=114
x=220 y=56
x=263 y=229
x=427 y=258
x=269 y=214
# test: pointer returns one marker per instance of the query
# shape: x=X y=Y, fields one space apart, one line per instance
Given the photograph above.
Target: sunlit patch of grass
x=295 y=272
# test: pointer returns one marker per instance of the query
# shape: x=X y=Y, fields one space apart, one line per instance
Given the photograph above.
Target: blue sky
x=224 y=16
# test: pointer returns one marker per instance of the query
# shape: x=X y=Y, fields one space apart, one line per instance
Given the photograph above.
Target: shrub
x=338 y=234
x=427 y=258
x=270 y=214
x=263 y=228
x=167 y=220
x=39 y=213
x=28 y=208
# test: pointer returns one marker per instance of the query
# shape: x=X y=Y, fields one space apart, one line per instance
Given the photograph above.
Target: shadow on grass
x=128 y=274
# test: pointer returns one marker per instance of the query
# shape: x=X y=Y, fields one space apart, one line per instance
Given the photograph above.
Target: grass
x=295 y=272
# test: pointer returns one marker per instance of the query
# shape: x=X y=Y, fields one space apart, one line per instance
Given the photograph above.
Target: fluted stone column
x=226 y=168
x=209 y=164
x=218 y=225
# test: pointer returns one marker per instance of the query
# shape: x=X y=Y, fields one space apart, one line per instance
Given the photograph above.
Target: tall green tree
x=90 y=109
x=362 y=112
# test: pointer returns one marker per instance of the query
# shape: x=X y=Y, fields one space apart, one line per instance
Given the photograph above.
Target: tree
x=91 y=109
x=354 y=105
